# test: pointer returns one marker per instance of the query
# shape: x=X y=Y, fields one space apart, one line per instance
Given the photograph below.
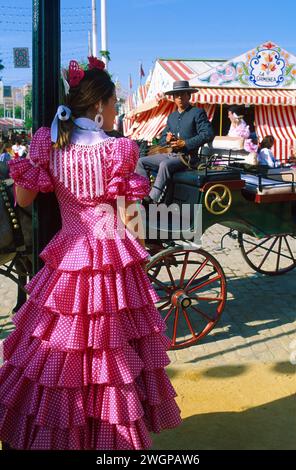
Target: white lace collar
x=87 y=124
x=87 y=132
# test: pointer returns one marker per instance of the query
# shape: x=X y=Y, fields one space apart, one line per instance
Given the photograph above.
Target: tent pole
x=221 y=118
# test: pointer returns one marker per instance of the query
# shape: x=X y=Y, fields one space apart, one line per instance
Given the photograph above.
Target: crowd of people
x=10 y=150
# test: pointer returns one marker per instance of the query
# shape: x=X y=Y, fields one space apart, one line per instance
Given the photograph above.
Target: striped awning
x=127 y=125
x=143 y=108
x=230 y=96
x=142 y=93
x=9 y=123
x=245 y=96
x=152 y=123
x=280 y=122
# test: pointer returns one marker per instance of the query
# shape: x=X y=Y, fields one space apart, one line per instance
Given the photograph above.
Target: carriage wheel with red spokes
x=272 y=255
x=192 y=292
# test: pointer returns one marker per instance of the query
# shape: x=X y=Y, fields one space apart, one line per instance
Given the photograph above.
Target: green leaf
x=242 y=80
x=105 y=54
x=288 y=69
x=245 y=68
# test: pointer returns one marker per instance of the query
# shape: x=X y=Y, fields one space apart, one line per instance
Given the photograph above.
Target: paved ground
x=259 y=320
x=238 y=381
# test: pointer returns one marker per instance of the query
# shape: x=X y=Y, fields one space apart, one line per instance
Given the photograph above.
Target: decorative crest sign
x=266 y=66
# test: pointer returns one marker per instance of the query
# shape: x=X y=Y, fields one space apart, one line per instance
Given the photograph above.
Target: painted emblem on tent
x=267 y=68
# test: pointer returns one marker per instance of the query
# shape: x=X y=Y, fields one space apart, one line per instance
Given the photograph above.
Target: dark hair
x=95 y=86
x=267 y=142
x=4 y=148
x=238 y=110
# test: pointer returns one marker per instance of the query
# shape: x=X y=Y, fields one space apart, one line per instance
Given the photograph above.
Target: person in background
x=238 y=126
x=187 y=129
x=5 y=157
x=265 y=155
x=4 y=153
x=18 y=149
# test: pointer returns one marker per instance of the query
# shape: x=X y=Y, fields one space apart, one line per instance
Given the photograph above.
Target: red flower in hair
x=94 y=63
x=76 y=73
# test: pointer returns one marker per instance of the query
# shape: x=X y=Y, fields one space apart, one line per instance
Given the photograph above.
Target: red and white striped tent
x=9 y=123
x=264 y=77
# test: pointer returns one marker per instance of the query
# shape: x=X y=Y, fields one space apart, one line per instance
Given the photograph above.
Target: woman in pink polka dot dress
x=84 y=367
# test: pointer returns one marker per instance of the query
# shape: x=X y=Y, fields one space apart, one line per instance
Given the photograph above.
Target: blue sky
x=143 y=30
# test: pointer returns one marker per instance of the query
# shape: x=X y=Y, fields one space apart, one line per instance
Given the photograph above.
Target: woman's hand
x=129 y=219
x=24 y=197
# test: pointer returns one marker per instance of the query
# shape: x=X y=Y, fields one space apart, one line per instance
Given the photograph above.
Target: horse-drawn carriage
x=258 y=209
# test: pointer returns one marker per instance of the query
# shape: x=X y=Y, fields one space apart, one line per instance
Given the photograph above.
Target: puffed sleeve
x=124 y=181
x=33 y=172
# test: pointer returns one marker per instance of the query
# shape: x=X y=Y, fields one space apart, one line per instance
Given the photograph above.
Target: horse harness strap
x=13 y=218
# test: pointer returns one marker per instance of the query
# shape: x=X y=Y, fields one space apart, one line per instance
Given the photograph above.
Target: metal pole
x=94 y=28
x=24 y=106
x=221 y=118
x=104 y=46
x=13 y=111
x=45 y=99
x=89 y=44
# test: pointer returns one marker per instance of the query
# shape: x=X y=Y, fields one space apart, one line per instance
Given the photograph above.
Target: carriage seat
x=184 y=185
x=268 y=186
x=199 y=178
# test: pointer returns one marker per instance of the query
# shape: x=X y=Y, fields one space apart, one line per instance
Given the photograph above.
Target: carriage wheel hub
x=181 y=298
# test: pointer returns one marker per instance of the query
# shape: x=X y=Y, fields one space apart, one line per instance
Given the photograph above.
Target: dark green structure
x=46 y=73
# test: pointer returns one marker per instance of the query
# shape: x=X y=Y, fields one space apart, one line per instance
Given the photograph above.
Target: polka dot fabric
x=85 y=366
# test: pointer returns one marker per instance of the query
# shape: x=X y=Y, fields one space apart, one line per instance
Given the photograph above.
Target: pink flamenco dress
x=84 y=367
